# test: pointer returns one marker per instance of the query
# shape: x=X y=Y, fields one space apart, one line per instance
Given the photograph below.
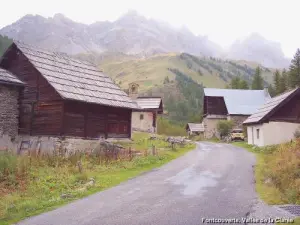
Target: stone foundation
x=48 y=145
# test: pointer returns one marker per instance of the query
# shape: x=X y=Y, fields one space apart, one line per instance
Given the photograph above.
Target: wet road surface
x=213 y=181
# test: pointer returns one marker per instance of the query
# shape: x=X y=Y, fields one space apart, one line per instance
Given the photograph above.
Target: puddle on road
x=194 y=183
x=204 y=147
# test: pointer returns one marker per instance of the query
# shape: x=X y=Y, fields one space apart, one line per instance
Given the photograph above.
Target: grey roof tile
x=8 y=78
x=148 y=102
x=239 y=102
x=76 y=80
x=269 y=106
x=196 y=127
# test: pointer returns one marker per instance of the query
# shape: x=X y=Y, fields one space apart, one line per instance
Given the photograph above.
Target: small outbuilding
x=145 y=118
x=10 y=87
x=276 y=121
x=195 y=128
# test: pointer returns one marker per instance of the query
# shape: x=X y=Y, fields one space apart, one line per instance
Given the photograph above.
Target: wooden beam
x=62 y=119
x=85 y=121
x=106 y=124
x=130 y=124
x=31 y=118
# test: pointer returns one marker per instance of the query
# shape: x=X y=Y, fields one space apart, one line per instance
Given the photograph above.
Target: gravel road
x=214 y=181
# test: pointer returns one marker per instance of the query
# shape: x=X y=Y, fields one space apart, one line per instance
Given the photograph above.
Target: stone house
x=145 y=118
x=276 y=121
x=230 y=104
x=10 y=87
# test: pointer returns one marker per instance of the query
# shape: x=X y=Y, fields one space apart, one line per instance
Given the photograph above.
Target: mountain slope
x=256 y=48
x=130 y=34
x=152 y=71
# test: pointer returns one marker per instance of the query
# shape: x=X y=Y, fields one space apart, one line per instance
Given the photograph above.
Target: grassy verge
x=277 y=173
x=34 y=186
x=267 y=193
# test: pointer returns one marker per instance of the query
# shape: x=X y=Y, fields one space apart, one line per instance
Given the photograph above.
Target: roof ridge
x=49 y=52
x=91 y=65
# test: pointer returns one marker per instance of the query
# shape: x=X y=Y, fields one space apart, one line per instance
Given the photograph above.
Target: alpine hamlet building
x=276 y=121
x=230 y=104
x=67 y=97
x=145 y=118
x=195 y=128
x=10 y=88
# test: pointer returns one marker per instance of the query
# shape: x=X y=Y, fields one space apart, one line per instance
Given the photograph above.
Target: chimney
x=266 y=91
x=133 y=90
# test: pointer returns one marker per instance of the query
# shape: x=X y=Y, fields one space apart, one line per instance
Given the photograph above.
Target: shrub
x=297 y=133
x=224 y=127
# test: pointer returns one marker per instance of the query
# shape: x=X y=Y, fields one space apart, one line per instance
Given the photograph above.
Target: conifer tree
x=258 y=82
x=294 y=72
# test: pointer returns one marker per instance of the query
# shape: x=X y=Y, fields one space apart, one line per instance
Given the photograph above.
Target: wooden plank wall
x=47 y=118
x=288 y=113
x=44 y=112
x=94 y=121
x=40 y=111
x=18 y=64
x=214 y=106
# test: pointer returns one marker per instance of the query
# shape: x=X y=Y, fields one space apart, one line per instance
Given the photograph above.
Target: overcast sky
x=223 y=21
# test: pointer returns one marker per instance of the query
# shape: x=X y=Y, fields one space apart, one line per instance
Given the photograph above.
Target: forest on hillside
x=282 y=80
x=4 y=44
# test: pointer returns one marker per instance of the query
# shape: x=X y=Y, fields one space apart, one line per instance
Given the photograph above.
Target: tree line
x=282 y=80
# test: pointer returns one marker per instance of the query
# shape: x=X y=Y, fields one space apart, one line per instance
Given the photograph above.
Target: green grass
x=45 y=185
x=153 y=70
x=268 y=193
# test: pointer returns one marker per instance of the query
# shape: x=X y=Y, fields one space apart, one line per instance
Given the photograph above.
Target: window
x=141 y=116
x=257 y=133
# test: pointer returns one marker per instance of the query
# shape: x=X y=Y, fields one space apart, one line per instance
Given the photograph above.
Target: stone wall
x=210 y=127
x=9 y=111
x=48 y=145
x=143 y=121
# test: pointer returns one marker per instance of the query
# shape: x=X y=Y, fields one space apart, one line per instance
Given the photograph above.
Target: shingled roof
x=195 y=127
x=239 y=102
x=270 y=106
x=149 y=102
x=74 y=79
x=7 y=77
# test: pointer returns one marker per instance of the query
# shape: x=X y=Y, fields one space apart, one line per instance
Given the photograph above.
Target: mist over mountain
x=132 y=33
x=256 y=48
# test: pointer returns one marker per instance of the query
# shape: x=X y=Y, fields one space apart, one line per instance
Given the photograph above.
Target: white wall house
x=276 y=121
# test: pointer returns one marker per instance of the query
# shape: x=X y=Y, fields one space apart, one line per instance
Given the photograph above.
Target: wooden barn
x=67 y=97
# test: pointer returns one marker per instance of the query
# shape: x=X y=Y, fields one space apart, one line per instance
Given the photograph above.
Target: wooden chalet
x=67 y=97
